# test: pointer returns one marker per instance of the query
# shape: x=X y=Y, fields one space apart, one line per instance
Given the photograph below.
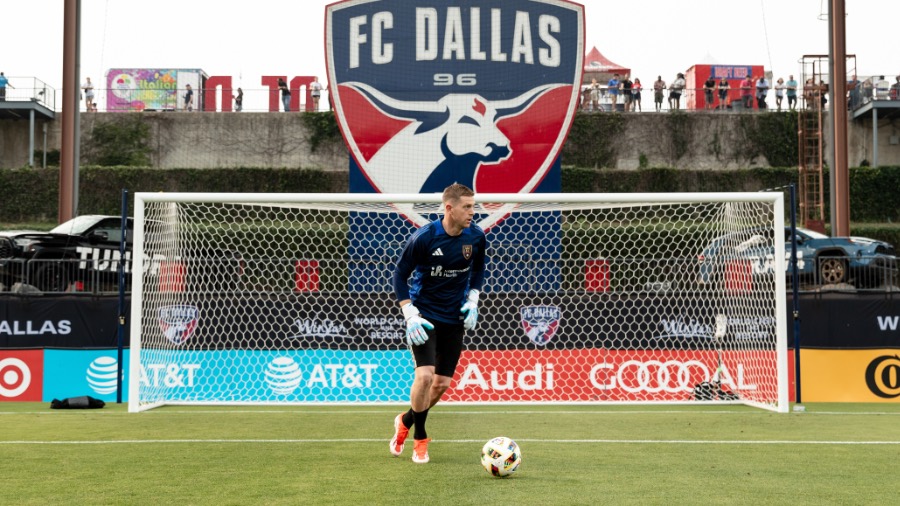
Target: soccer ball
x=501 y=456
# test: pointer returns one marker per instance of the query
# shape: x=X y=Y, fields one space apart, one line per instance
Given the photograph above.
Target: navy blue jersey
x=443 y=269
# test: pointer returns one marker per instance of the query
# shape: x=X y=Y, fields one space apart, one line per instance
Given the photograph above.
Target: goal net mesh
x=584 y=302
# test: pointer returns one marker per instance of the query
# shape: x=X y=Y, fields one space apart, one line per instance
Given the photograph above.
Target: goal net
x=588 y=298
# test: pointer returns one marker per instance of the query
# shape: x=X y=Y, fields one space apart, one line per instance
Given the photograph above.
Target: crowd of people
x=752 y=92
x=717 y=94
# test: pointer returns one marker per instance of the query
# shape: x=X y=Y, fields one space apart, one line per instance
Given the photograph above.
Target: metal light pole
x=840 y=172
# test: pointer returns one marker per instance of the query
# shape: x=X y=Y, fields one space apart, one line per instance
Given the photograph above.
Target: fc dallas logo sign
x=479 y=92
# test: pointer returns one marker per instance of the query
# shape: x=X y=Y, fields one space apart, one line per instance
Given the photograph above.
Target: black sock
x=420 y=417
x=408 y=419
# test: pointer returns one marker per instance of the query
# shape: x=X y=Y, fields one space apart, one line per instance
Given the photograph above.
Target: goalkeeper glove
x=415 y=325
x=470 y=309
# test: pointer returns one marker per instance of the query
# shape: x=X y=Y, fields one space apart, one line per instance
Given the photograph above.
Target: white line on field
x=452 y=441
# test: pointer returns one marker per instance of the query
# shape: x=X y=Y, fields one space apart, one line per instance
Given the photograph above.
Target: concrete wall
x=212 y=140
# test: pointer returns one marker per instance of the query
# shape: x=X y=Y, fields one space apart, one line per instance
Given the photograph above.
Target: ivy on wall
x=322 y=128
x=121 y=141
x=592 y=140
x=681 y=133
x=772 y=135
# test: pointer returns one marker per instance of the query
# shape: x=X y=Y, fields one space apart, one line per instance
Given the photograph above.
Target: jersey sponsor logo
x=438 y=253
x=178 y=322
x=467 y=251
x=452 y=91
x=540 y=323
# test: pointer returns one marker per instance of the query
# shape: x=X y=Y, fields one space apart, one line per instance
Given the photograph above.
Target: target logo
x=21 y=376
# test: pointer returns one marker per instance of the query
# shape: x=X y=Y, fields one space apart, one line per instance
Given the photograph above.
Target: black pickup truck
x=83 y=255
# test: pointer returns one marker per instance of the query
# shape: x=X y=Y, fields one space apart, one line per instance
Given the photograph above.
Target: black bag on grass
x=83 y=402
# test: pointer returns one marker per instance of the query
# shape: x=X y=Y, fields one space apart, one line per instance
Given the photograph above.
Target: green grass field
x=829 y=454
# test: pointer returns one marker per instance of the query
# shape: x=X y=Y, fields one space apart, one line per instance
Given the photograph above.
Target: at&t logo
x=101 y=375
x=883 y=376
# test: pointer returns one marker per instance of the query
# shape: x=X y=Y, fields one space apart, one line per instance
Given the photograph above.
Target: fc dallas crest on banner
x=428 y=93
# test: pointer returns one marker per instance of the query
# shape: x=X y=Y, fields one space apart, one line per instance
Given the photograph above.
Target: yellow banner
x=850 y=375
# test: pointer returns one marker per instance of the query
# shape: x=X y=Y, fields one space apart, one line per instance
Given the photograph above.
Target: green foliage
x=322 y=127
x=772 y=135
x=33 y=194
x=122 y=141
x=52 y=158
x=874 y=194
x=592 y=140
x=887 y=232
x=580 y=180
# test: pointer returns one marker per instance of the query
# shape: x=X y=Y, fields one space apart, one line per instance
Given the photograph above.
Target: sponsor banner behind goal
x=524 y=321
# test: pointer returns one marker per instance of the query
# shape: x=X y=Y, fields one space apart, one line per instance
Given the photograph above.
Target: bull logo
x=453 y=91
x=178 y=322
x=540 y=323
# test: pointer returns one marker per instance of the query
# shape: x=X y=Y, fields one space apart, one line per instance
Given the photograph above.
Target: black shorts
x=442 y=349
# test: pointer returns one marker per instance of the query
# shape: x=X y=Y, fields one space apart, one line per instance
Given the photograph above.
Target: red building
x=698 y=74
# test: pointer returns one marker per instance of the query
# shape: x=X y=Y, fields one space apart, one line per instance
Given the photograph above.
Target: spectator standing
x=88 y=88
x=636 y=92
x=823 y=92
x=895 y=90
x=285 y=95
x=315 y=90
x=188 y=98
x=675 y=91
x=747 y=92
x=723 y=93
x=627 y=87
x=779 y=93
x=239 y=100
x=612 y=87
x=595 y=95
x=658 y=87
x=709 y=92
x=809 y=93
x=585 y=99
x=762 y=90
x=4 y=82
x=853 y=89
x=882 y=88
x=791 y=92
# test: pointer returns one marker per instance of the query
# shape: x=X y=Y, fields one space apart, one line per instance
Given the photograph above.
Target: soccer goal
x=589 y=298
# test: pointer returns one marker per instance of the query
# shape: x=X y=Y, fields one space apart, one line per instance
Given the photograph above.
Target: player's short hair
x=453 y=192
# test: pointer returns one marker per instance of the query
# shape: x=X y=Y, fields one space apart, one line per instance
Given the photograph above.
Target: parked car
x=823 y=260
x=83 y=254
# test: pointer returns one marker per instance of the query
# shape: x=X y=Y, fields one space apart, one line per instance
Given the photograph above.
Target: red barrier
x=596 y=275
x=306 y=276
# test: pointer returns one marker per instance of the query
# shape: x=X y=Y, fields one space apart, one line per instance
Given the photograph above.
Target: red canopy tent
x=599 y=67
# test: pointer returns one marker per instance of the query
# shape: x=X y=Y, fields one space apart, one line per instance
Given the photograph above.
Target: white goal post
x=588 y=298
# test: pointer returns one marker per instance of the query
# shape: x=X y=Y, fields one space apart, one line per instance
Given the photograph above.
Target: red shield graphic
x=454 y=92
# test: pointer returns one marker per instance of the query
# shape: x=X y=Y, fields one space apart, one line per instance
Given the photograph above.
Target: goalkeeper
x=446 y=260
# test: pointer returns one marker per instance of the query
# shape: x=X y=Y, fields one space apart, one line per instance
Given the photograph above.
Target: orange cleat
x=400 y=433
x=420 y=451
